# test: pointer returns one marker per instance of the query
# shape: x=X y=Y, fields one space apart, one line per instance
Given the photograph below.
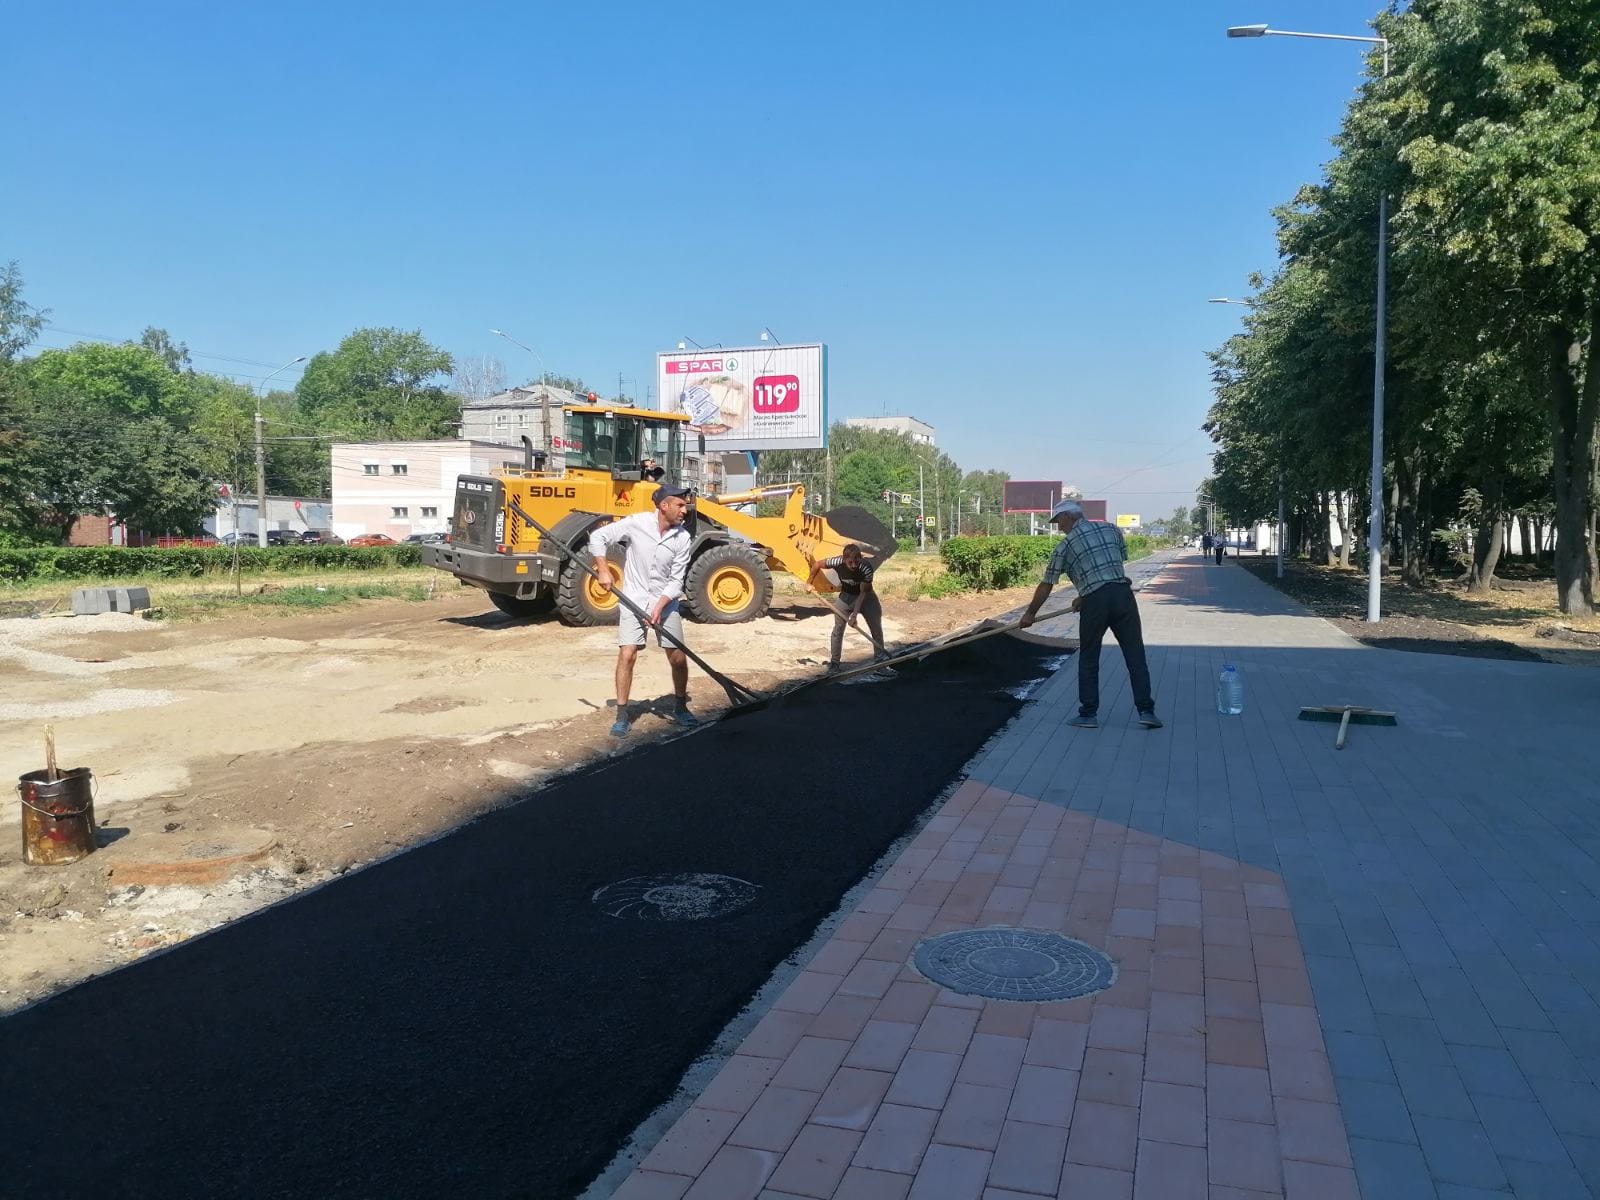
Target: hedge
x=118 y=562
x=1003 y=562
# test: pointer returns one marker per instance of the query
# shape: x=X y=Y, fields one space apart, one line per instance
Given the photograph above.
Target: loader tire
x=728 y=584
x=523 y=610
x=579 y=600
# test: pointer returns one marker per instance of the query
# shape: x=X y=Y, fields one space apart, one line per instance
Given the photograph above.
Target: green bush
x=1002 y=562
x=997 y=562
x=118 y=562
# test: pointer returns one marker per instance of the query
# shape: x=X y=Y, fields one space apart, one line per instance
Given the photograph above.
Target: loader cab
x=616 y=441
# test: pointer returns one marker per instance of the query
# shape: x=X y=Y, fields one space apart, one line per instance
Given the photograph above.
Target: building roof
x=529 y=395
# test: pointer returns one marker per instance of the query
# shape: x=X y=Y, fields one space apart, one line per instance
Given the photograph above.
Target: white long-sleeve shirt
x=654 y=563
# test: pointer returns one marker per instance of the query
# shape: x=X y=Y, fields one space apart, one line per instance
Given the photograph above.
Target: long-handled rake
x=1347 y=715
x=741 y=699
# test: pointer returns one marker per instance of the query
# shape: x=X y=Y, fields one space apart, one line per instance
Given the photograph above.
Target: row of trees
x=1485 y=137
x=860 y=465
x=135 y=429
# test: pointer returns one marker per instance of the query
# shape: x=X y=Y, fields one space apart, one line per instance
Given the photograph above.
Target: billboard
x=758 y=398
x=1127 y=520
x=1093 y=510
x=1030 y=495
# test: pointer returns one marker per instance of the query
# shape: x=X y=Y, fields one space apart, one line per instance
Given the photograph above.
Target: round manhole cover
x=1014 y=964
x=688 y=897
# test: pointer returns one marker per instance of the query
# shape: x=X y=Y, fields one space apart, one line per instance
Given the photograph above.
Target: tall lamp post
x=544 y=391
x=1375 y=522
x=1277 y=534
x=261 y=462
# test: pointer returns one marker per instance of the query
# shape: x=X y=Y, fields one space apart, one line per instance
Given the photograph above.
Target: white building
x=507 y=416
x=401 y=488
x=299 y=513
x=919 y=431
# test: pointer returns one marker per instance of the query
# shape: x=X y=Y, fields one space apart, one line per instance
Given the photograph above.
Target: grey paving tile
x=1520 y=1129
x=1391 y=1171
x=1456 y=1191
x=1573 y=1106
x=1433 y=1090
x=1375 y=1110
x=1358 y=1056
x=1546 y=1181
x=1459 y=1152
x=1413 y=1039
x=1490 y=1071
x=1544 y=1054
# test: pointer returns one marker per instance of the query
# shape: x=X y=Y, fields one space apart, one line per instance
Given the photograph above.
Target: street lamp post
x=1375 y=522
x=544 y=391
x=261 y=463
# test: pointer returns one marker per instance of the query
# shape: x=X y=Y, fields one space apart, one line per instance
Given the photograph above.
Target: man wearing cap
x=655 y=560
x=1091 y=555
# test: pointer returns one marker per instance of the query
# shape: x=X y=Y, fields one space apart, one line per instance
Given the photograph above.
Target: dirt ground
x=1518 y=620
x=283 y=749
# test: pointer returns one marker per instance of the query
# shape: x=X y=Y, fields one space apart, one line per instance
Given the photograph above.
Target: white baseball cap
x=1066 y=508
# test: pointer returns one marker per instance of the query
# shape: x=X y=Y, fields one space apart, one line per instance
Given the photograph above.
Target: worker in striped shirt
x=856 y=599
x=1091 y=555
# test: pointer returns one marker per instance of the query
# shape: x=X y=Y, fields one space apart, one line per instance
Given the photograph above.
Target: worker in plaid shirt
x=1091 y=555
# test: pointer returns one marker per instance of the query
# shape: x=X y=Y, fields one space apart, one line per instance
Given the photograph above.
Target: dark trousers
x=871 y=613
x=1221 y=550
x=1111 y=606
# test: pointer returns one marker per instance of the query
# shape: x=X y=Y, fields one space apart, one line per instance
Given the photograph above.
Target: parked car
x=283 y=537
x=428 y=539
x=373 y=539
x=320 y=537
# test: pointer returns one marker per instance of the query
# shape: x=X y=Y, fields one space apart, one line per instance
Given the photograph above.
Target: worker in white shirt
x=656 y=558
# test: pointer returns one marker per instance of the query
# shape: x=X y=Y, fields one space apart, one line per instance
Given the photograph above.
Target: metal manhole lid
x=1014 y=964
x=682 y=897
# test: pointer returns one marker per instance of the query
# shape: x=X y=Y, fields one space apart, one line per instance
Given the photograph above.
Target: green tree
x=380 y=384
x=159 y=342
x=19 y=326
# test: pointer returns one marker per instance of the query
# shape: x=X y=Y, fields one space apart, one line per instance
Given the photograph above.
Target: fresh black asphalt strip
x=465 y=1019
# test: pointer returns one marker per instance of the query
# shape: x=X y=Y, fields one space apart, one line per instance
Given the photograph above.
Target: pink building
x=401 y=488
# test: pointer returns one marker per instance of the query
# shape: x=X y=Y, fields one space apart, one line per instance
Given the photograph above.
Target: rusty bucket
x=57 y=816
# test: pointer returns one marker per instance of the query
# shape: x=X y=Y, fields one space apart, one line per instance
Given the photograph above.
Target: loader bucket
x=860 y=526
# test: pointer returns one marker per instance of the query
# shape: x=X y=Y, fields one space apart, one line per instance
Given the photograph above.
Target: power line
x=101 y=337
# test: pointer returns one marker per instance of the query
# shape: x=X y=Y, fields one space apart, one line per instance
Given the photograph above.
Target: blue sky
x=1004 y=220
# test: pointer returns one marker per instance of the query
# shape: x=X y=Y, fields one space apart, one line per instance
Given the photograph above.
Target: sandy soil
x=336 y=738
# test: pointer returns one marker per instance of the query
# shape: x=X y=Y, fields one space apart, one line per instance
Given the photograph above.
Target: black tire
x=728 y=584
x=523 y=610
x=579 y=600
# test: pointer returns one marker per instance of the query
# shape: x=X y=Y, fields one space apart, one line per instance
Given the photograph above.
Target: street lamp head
x=681 y=346
x=301 y=359
x=497 y=332
x=1235 y=31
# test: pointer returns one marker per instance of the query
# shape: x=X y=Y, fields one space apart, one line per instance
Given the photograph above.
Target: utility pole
x=261 y=484
x=261 y=462
x=922 y=513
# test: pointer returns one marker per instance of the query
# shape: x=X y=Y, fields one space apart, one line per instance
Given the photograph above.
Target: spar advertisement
x=760 y=398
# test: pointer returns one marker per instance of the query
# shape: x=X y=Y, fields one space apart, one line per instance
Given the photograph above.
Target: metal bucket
x=57 y=816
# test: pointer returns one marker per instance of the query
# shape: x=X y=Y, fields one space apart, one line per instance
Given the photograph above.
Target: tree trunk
x=1342 y=510
x=1487 y=543
x=1538 y=540
x=1574 y=408
x=1324 y=539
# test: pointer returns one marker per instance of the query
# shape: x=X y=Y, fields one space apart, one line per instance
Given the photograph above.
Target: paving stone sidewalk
x=1369 y=972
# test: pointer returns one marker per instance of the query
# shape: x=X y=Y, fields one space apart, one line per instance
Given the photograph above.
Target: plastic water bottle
x=1230 y=691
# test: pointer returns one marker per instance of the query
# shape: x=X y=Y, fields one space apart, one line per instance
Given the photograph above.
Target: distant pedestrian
x=1091 y=555
x=656 y=559
x=1222 y=548
x=857 y=598
x=1205 y=543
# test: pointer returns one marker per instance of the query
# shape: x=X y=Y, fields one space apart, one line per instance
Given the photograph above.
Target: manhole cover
x=1014 y=964
x=674 y=897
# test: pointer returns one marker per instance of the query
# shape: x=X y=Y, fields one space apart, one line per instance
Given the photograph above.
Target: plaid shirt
x=1091 y=556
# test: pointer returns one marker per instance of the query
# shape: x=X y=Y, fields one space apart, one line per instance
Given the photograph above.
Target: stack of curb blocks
x=87 y=601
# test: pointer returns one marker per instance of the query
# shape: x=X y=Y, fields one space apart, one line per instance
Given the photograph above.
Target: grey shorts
x=631 y=631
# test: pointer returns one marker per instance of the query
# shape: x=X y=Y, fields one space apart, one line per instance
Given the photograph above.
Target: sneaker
x=1085 y=721
x=682 y=716
x=881 y=656
x=833 y=667
x=620 y=727
x=1148 y=718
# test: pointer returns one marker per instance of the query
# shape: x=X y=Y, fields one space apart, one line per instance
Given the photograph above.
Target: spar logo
x=696 y=366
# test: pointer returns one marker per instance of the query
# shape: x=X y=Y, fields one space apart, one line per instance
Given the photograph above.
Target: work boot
x=1085 y=720
x=833 y=666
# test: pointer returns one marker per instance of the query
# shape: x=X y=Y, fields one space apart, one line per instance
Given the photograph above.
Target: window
x=397 y=468
x=369 y=468
x=502 y=418
x=400 y=512
x=430 y=512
